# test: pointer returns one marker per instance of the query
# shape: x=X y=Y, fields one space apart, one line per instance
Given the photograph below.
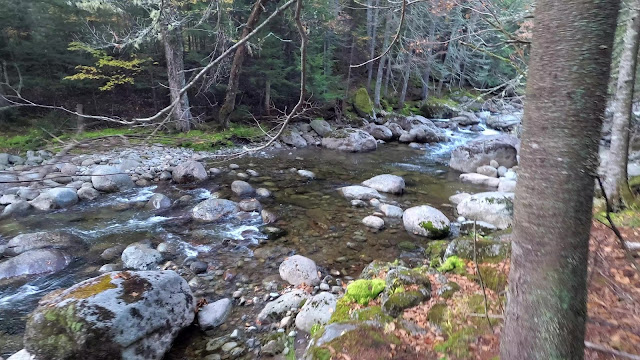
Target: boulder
x=351 y=140
x=427 y=134
x=507 y=186
x=250 y=205
x=426 y=221
x=487 y=170
x=293 y=138
x=373 y=222
x=298 y=270
x=55 y=198
x=503 y=121
x=396 y=130
x=321 y=127
x=22 y=355
x=317 y=310
x=391 y=211
x=118 y=315
x=26 y=193
x=88 y=193
x=40 y=240
x=190 y=171
x=457 y=198
x=479 y=179
x=34 y=262
x=502 y=148
x=158 y=201
x=276 y=309
x=214 y=314
x=386 y=183
x=242 y=188
x=493 y=207
x=357 y=192
x=140 y=256
x=109 y=179
x=69 y=169
x=18 y=208
x=214 y=209
x=466 y=118
x=362 y=103
x=379 y=132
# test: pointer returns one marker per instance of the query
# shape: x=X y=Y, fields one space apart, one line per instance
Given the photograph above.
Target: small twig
x=492 y=316
x=484 y=291
x=597 y=347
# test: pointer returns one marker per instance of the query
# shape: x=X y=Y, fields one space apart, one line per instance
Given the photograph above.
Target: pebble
x=285 y=322
x=292 y=333
x=235 y=334
x=229 y=346
x=237 y=294
x=325 y=287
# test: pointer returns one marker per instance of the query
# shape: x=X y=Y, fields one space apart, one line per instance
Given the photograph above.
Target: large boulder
x=55 y=198
x=40 y=240
x=386 y=183
x=39 y=261
x=502 y=148
x=493 y=207
x=379 y=132
x=426 y=221
x=110 y=179
x=276 y=309
x=298 y=270
x=321 y=127
x=357 y=192
x=118 y=315
x=479 y=179
x=318 y=311
x=503 y=121
x=293 y=138
x=213 y=209
x=140 y=256
x=362 y=103
x=427 y=134
x=351 y=140
x=18 y=208
x=190 y=171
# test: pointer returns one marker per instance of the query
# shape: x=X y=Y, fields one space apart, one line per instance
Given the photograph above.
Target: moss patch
x=97 y=286
x=436 y=108
x=453 y=264
x=435 y=252
x=437 y=314
x=435 y=232
x=341 y=313
x=365 y=342
x=399 y=302
x=407 y=246
x=374 y=313
x=362 y=103
x=493 y=279
x=362 y=291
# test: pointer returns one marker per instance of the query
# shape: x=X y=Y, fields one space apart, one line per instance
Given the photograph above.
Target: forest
x=319 y=179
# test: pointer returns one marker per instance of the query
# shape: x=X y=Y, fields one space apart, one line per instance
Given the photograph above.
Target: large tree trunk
x=383 y=60
x=173 y=50
x=426 y=73
x=616 y=181
x=373 y=33
x=405 y=81
x=238 y=58
x=566 y=89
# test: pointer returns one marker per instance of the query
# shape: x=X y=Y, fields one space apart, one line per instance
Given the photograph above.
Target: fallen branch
x=597 y=347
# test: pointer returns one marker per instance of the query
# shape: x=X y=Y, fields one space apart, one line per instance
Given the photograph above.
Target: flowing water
x=320 y=224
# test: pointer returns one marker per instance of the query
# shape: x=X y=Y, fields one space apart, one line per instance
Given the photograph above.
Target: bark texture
x=383 y=60
x=569 y=68
x=616 y=181
x=238 y=58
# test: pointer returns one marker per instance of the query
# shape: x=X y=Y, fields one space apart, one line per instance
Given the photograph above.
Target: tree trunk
x=405 y=81
x=267 y=98
x=427 y=69
x=383 y=60
x=616 y=181
x=238 y=58
x=387 y=76
x=351 y=54
x=173 y=50
x=566 y=89
x=80 y=121
x=372 y=41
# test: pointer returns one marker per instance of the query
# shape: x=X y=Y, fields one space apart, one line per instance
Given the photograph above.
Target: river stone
x=479 y=179
x=493 y=207
x=317 y=310
x=44 y=239
x=386 y=183
x=112 y=252
x=88 y=193
x=426 y=221
x=503 y=121
x=321 y=127
x=158 y=201
x=214 y=314
x=379 y=132
x=357 y=192
x=69 y=169
x=298 y=270
x=34 y=262
x=373 y=222
x=139 y=256
x=18 y=208
x=242 y=188
x=391 y=211
x=276 y=309
x=109 y=179
x=481 y=227
x=466 y=118
x=293 y=138
x=55 y=198
x=7 y=199
x=351 y=140
x=396 y=130
x=507 y=186
x=22 y=355
x=487 y=170
x=427 y=134
x=480 y=151
x=4 y=159
x=458 y=198
x=268 y=216
x=213 y=209
x=190 y=171
x=306 y=173
x=26 y=193
x=250 y=205
x=263 y=193
x=118 y=315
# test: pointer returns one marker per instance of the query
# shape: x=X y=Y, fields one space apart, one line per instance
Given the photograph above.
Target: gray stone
x=481 y=227
x=7 y=199
x=396 y=130
x=487 y=170
x=494 y=164
x=40 y=240
x=386 y=183
x=357 y=192
x=493 y=207
x=34 y=262
x=426 y=221
x=373 y=222
x=507 y=186
x=427 y=134
x=88 y=193
x=268 y=216
x=26 y=193
x=502 y=148
x=69 y=169
x=293 y=138
x=350 y=140
x=306 y=173
x=109 y=268
x=158 y=201
x=457 y=198
x=190 y=171
x=298 y=270
x=109 y=179
x=321 y=127
x=391 y=211
x=22 y=355
x=242 y=188
x=127 y=165
x=139 y=256
x=317 y=310
x=502 y=170
x=213 y=315
x=263 y=193
x=276 y=309
x=379 y=132
x=214 y=209
x=55 y=198
x=18 y=208
x=250 y=205
x=112 y=253
x=479 y=179
x=503 y=121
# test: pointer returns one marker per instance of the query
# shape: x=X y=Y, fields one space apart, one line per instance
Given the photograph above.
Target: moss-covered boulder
x=439 y=108
x=435 y=251
x=350 y=140
x=362 y=291
x=118 y=315
x=362 y=103
x=494 y=207
x=426 y=221
x=492 y=278
x=486 y=250
x=400 y=301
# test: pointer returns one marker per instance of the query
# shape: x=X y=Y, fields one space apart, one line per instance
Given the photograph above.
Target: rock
x=272 y=348
x=362 y=103
x=198 y=267
x=373 y=222
x=494 y=163
x=386 y=183
x=128 y=164
x=493 y=207
x=55 y=198
x=28 y=193
x=213 y=315
x=502 y=170
x=40 y=240
x=503 y=121
x=242 y=188
x=379 y=132
x=22 y=355
x=18 y=208
x=478 y=152
x=4 y=159
x=88 y=193
x=466 y=118
x=407 y=137
x=118 y=315
x=391 y=211
x=109 y=179
x=457 y=198
x=321 y=127
x=190 y=171
x=426 y=221
x=396 y=130
x=263 y=193
x=34 y=262
x=485 y=250
x=487 y=170
x=158 y=201
x=250 y=205
x=481 y=227
x=358 y=203
x=507 y=186
x=112 y=253
x=298 y=270
x=109 y=268
x=359 y=192
x=511 y=175
x=69 y=169
x=140 y=256
x=398 y=302
x=293 y=138
x=317 y=310
x=427 y=134
x=276 y=309
x=479 y=179
x=214 y=209
x=268 y=216
x=306 y=173
x=351 y=140
x=7 y=199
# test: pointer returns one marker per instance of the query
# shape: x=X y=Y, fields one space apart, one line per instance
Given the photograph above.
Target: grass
x=31 y=140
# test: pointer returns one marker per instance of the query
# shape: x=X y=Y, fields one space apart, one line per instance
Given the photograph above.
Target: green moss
x=398 y=302
x=362 y=103
x=439 y=108
x=364 y=342
x=341 y=313
x=457 y=344
x=452 y=288
x=437 y=314
x=493 y=279
x=374 y=313
x=97 y=286
x=453 y=264
x=435 y=232
x=31 y=140
x=407 y=246
x=435 y=252
x=362 y=291
x=320 y=353
x=627 y=217
x=487 y=250
x=315 y=329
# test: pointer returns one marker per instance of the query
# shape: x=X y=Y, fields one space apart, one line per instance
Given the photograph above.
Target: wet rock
x=140 y=256
x=358 y=203
x=478 y=152
x=26 y=193
x=321 y=127
x=407 y=137
x=109 y=268
x=268 y=216
x=357 y=192
x=55 y=198
x=306 y=173
x=273 y=232
x=158 y=201
x=298 y=270
x=109 y=179
x=391 y=211
x=503 y=121
x=69 y=169
x=214 y=209
x=34 y=262
x=118 y=315
x=317 y=310
x=250 y=205
x=386 y=183
x=479 y=179
x=18 y=208
x=112 y=253
x=487 y=170
x=466 y=118
x=293 y=138
x=8 y=199
x=40 y=240
x=215 y=314
x=351 y=140
x=276 y=309
x=263 y=193
x=427 y=134
x=481 y=227
x=242 y=188
x=190 y=171
x=396 y=130
x=426 y=221
x=373 y=222
x=493 y=207
x=379 y=132
x=198 y=267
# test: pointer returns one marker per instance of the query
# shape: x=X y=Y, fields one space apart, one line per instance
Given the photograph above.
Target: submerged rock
x=33 y=262
x=242 y=188
x=118 y=315
x=214 y=209
x=357 y=192
x=298 y=270
x=39 y=240
x=351 y=140
x=426 y=221
x=373 y=222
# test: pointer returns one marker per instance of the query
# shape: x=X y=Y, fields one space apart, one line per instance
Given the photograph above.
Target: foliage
x=362 y=291
x=453 y=264
x=31 y=140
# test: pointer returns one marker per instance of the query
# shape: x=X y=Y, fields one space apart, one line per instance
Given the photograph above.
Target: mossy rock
x=372 y=313
x=457 y=344
x=447 y=290
x=438 y=314
x=493 y=278
x=398 y=302
x=453 y=264
x=376 y=267
x=439 y=108
x=486 y=250
x=435 y=232
x=362 y=291
x=362 y=103
x=435 y=251
x=407 y=246
x=342 y=311
x=366 y=341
